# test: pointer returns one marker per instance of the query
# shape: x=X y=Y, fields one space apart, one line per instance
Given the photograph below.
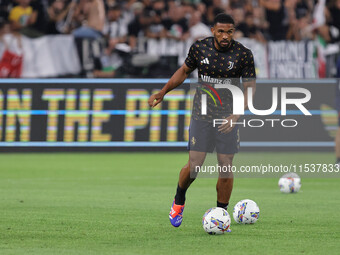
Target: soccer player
x=216 y=57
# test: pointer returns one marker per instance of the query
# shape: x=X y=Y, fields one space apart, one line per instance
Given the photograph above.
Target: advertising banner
x=114 y=114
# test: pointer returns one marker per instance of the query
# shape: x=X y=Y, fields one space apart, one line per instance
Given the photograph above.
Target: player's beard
x=223 y=47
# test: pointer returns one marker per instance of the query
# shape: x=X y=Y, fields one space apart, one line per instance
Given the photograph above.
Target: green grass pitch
x=118 y=203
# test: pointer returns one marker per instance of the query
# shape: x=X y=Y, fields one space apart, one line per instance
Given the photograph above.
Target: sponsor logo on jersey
x=205 y=61
x=208 y=79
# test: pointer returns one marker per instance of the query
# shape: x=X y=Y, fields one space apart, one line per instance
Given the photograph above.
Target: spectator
x=147 y=5
x=60 y=17
x=138 y=25
x=234 y=4
x=91 y=14
x=127 y=14
x=211 y=13
x=4 y=28
x=188 y=10
x=277 y=18
x=197 y=29
x=117 y=28
x=334 y=20
x=109 y=3
x=158 y=6
x=156 y=29
x=249 y=6
x=40 y=7
x=299 y=20
x=116 y=31
x=202 y=8
x=250 y=30
x=330 y=31
x=303 y=8
x=176 y=24
x=260 y=21
x=22 y=17
x=5 y=6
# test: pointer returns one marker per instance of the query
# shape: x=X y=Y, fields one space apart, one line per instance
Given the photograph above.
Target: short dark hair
x=224 y=19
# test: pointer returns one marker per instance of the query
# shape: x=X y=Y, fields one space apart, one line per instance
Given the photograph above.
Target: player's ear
x=212 y=30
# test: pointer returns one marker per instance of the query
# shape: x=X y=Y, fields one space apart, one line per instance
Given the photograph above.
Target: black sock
x=337 y=160
x=180 y=195
x=224 y=206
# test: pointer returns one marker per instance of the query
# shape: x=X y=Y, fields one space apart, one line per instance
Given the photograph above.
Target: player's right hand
x=155 y=99
x=227 y=127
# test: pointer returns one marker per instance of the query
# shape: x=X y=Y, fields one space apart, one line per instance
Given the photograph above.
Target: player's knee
x=195 y=162
x=186 y=167
x=186 y=171
x=226 y=173
x=225 y=161
x=194 y=166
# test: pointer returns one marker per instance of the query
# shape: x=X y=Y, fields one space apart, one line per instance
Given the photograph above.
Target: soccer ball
x=290 y=183
x=246 y=212
x=216 y=221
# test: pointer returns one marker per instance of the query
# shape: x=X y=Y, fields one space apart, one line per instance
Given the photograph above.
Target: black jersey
x=215 y=66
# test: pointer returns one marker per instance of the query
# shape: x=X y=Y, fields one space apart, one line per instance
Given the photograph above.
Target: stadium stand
x=150 y=38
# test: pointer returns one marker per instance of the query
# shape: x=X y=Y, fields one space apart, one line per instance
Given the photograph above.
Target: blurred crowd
x=120 y=24
x=124 y=21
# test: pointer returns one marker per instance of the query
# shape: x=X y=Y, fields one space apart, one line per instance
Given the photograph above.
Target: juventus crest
x=231 y=65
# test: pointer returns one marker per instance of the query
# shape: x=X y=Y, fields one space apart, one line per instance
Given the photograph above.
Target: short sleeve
x=191 y=60
x=248 y=70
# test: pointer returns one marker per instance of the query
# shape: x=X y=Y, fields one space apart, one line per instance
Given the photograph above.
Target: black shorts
x=205 y=138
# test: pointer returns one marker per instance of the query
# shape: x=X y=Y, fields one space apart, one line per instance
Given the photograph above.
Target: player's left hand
x=227 y=127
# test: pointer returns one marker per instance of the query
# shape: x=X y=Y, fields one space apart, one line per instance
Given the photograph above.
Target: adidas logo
x=205 y=61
